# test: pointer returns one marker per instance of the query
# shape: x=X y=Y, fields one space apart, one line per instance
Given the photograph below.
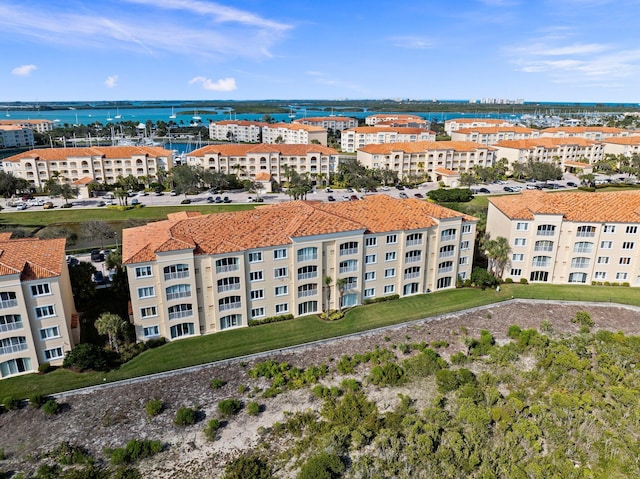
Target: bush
x=134 y=451
x=583 y=318
x=250 y=466
x=322 y=466
x=44 y=368
x=85 y=357
x=67 y=454
x=37 y=401
x=51 y=407
x=10 y=403
x=389 y=374
x=271 y=319
x=229 y=407
x=217 y=383
x=451 y=195
x=253 y=408
x=514 y=331
x=154 y=407
x=508 y=280
x=425 y=364
x=382 y=299
x=212 y=428
x=524 y=281
x=155 y=343
x=185 y=416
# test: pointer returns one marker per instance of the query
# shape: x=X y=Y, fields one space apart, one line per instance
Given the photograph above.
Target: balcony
x=446 y=269
x=414 y=242
x=541 y=264
x=412 y=275
x=308 y=292
x=176 y=275
x=181 y=294
x=413 y=259
x=313 y=274
x=543 y=248
x=546 y=232
x=227 y=268
x=585 y=234
x=446 y=254
x=228 y=287
x=10 y=326
x=348 y=269
x=228 y=306
x=447 y=237
x=8 y=303
x=14 y=348
x=180 y=314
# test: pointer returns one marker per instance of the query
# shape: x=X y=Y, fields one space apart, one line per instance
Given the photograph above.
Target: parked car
x=350 y=190
x=404 y=195
x=354 y=198
x=259 y=199
x=209 y=199
x=484 y=190
x=135 y=201
x=22 y=206
x=218 y=199
x=418 y=195
x=173 y=193
x=158 y=193
x=66 y=205
x=328 y=190
x=35 y=202
x=186 y=201
x=97 y=256
x=508 y=189
x=399 y=187
x=226 y=199
x=330 y=198
x=98 y=277
x=142 y=193
x=384 y=188
x=47 y=205
x=102 y=203
x=572 y=184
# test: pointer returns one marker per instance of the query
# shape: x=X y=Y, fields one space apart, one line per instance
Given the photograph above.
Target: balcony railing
x=580 y=265
x=227 y=268
x=228 y=306
x=414 y=242
x=546 y=232
x=346 y=251
x=181 y=294
x=411 y=275
x=543 y=248
x=350 y=286
x=313 y=274
x=447 y=269
x=541 y=264
x=181 y=314
x=308 y=257
x=14 y=348
x=228 y=287
x=412 y=259
x=446 y=254
x=583 y=250
x=447 y=237
x=176 y=275
x=8 y=303
x=308 y=292
x=348 y=269
x=11 y=326
x=585 y=234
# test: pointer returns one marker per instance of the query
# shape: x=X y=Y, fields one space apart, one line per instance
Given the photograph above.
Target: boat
x=8 y=115
x=292 y=115
x=195 y=116
x=109 y=116
x=173 y=114
x=118 y=115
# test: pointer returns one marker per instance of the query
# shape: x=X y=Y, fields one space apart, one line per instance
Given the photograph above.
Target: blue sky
x=546 y=50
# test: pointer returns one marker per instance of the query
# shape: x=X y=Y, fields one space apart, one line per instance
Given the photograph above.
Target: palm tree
x=340 y=284
x=497 y=252
x=112 y=325
x=326 y=281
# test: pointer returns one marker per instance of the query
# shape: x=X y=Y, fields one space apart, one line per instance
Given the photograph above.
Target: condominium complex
x=356 y=138
x=424 y=158
x=38 y=323
x=589 y=132
x=336 y=123
x=247 y=161
x=293 y=134
x=395 y=119
x=490 y=135
x=193 y=274
x=240 y=131
x=569 y=237
x=104 y=163
x=12 y=136
x=560 y=151
x=627 y=146
x=39 y=126
x=456 y=124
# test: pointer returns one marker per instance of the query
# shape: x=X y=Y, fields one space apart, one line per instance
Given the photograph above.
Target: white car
x=35 y=202
x=384 y=188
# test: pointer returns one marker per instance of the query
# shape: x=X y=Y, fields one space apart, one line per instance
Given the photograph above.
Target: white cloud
x=111 y=81
x=223 y=84
x=23 y=70
x=412 y=42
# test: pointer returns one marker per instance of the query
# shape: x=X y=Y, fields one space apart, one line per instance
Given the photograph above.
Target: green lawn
x=239 y=342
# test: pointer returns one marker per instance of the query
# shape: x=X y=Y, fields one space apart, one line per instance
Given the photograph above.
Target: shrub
x=322 y=466
x=51 y=407
x=212 y=428
x=253 y=408
x=524 y=281
x=271 y=319
x=451 y=195
x=37 y=401
x=425 y=364
x=249 y=466
x=229 y=407
x=583 y=318
x=154 y=407
x=459 y=358
x=10 y=403
x=217 y=383
x=389 y=374
x=155 y=343
x=134 y=451
x=67 y=454
x=185 y=416
x=514 y=331
x=44 y=368
x=85 y=357
x=508 y=280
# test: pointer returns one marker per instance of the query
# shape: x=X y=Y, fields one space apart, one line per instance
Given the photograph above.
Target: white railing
x=583 y=250
x=446 y=254
x=543 y=248
x=546 y=232
x=228 y=287
x=226 y=268
x=350 y=286
x=414 y=242
x=8 y=303
x=227 y=306
x=540 y=264
x=445 y=270
x=308 y=292
x=580 y=265
x=181 y=314
x=411 y=275
x=348 y=269
x=11 y=326
x=176 y=275
x=14 y=348
x=313 y=274
x=586 y=234
x=412 y=259
x=447 y=237
x=346 y=251
x=181 y=294
x=308 y=257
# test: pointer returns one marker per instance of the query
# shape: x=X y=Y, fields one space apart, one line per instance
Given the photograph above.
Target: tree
x=82 y=285
x=326 y=281
x=185 y=179
x=468 y=179
x=341 y=283
x=322 y=466
x=65 y=190
x=498 y=252
x=9 y=184
x=112 y=326
x=543 y=171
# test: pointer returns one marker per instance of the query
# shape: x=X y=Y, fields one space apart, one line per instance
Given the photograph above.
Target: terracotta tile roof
x=396 y=116
x=295 y=126
x=422 y=146
x=29 y=122
x=495 y=129
x=263 y=176
x=320 y=119
x=445 y=171
x=10 y=128
x=622 y=140
x=578 y=164
x=583 y=129
x=32 y=258
x=85 y=180
x=58 y=154
x=404 y=130
x=547 y=142
x=240 y=123
x=489 y=121
x=272 y=225
x=244 y=150
x=615 y=207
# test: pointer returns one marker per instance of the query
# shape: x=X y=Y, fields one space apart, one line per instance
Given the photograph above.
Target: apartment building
x=248 y=161
x=490 y=135
x=336 y=123
x=38 y=322
x=15 y=136
x=39 y=126
x=193 y=274
x=456 y=124
x=628 y=146
x=561 y=151
x=240 y=131
x=424 y=158
x=569 y=237
x=414 y=121
x=293 y=134
x=595 y=133
x=355 y=138
x=104 y=163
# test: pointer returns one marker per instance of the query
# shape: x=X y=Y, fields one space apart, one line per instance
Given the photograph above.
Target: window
x=10 y=322
x=370 y=276
x=40 y=289
x=148 y=312
x=350 y=283
x=446 y=251
x=307 y=307
x=15 y=366
x=54 y=353
x=390 y=273
x=580 y=262
x=349 y=300
x=539 y=276
x=143 y=272
x=464 y=245
x=230 y=302
x=178 y=291
x=389 y=288
x=13 y=345
x=225 y=265
x=151 y=331
x=522 y=226
x=412 y=256
x=8 y=299
x=448 y=234
x=257 y=312
x=281 y=272
x=230 y=321
x=628 y=245
x=392 y=239
x=371 y=241
x=255 y=257
x=280 y=253
x=282 y=308
x=583 y=247
x=520 y=241
x=586 y=231
x=546 y=230
x=621 y=276
x=146 y=292
x=578 y=278
x=369 y=292
x=463 y=260
x=179 y=330
x=414 y=239
x=443 y=282
x=180 y=311
x=309 y=289
x=48 y=333
x=257 y=294
x=390 y=256
x=281 y=290
x=609 y=229
x=600 y=275
x=516 y=272
x=256 y=276
x=625 y=261
x=228 y=284
x=412 y=272
x=445 y=267
x=307 y=272
x=348 y=266
x=308 y=254
x=606 y=244
x=411 y=288
x=631 y=230
x=603 y=260
x=466 y=229
x=517 y=257
x=350 y=247
x=45 y=311
x=176 y=271
x=370 y=259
